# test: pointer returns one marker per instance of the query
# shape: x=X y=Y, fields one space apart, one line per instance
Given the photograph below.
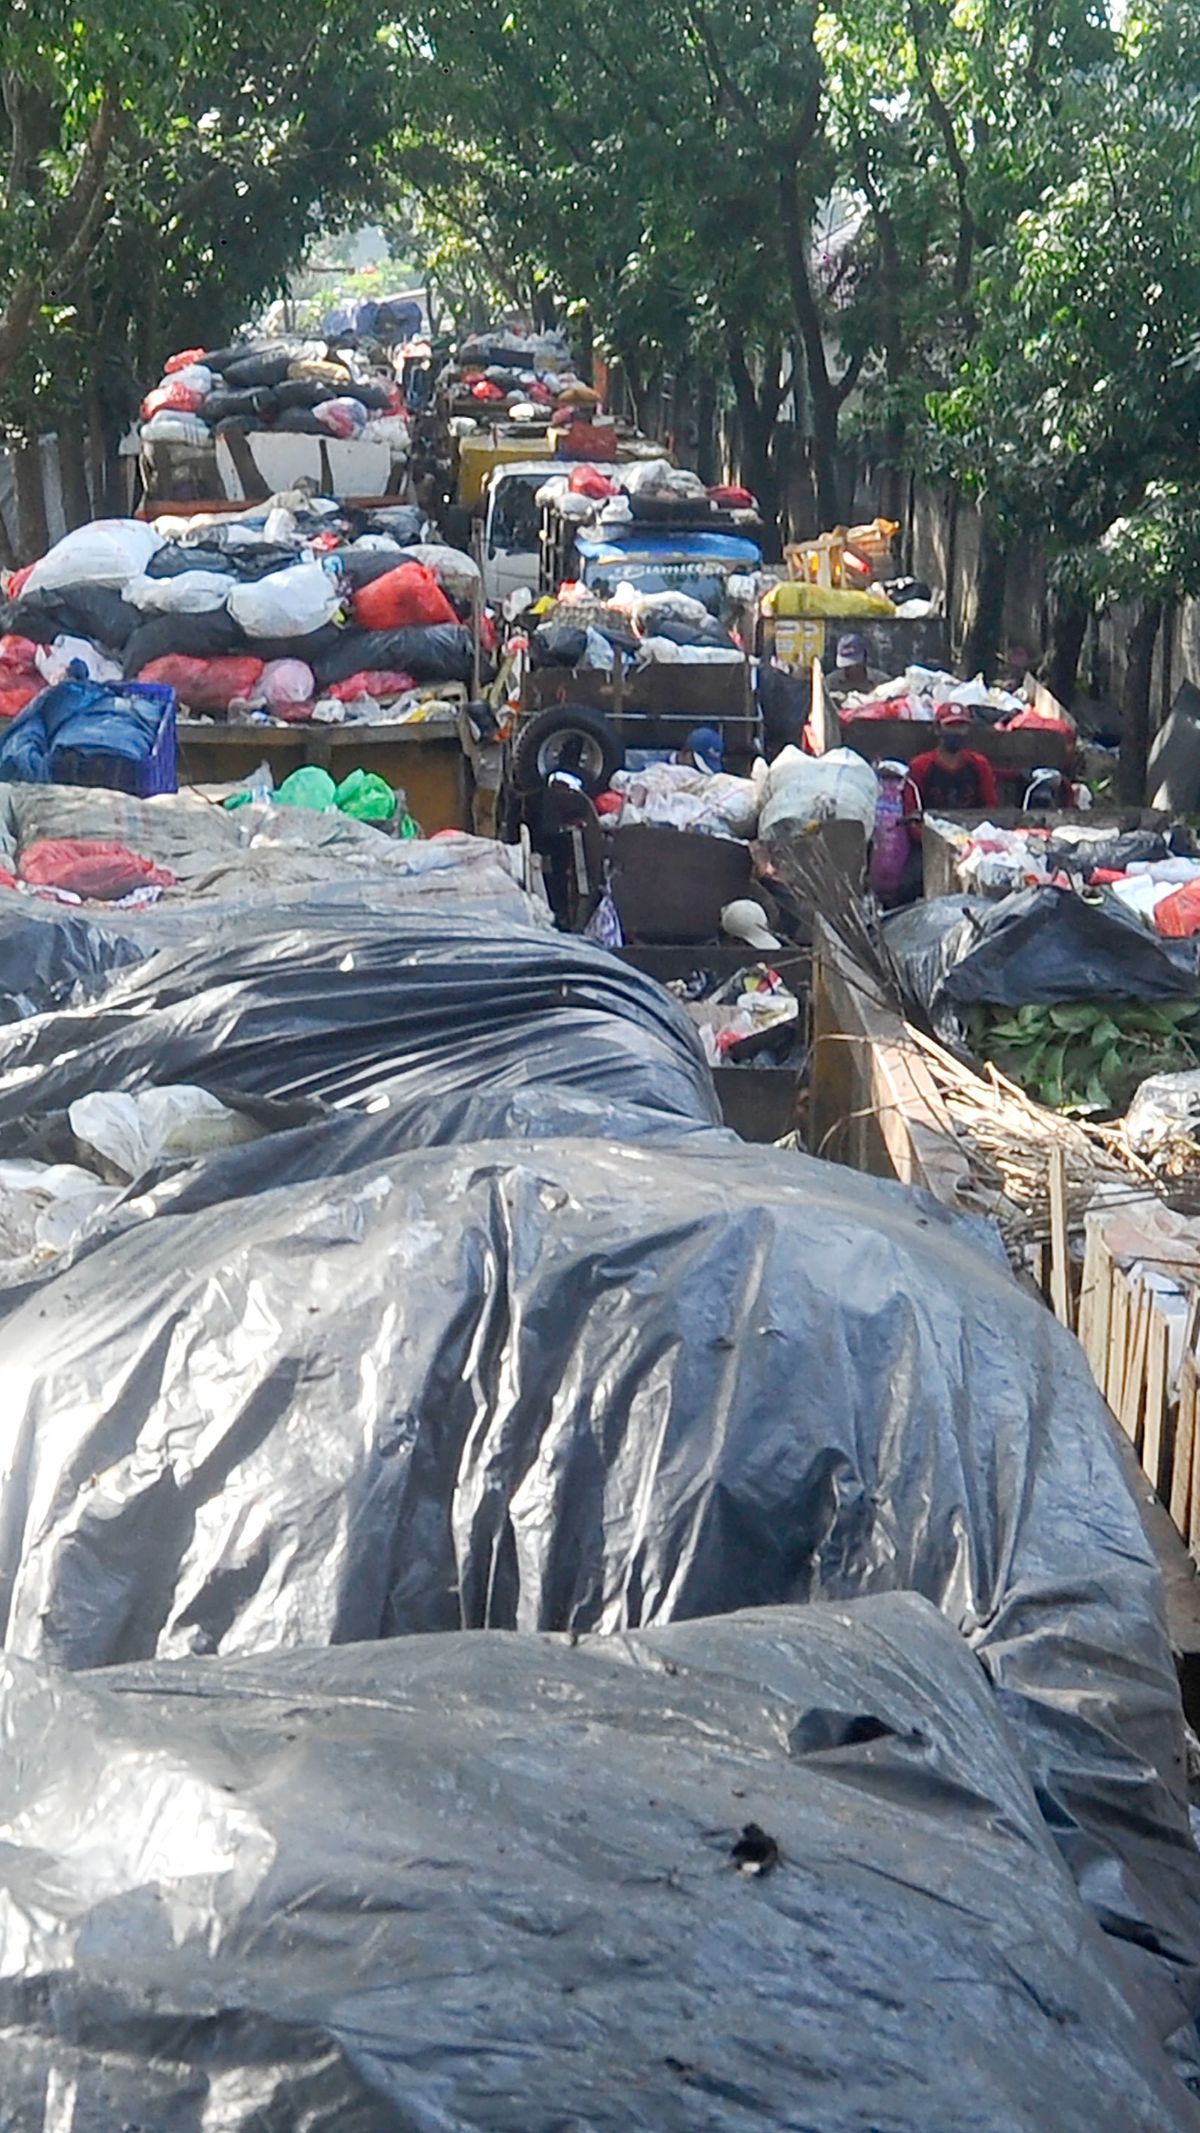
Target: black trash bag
x=403 y=521
x=344 y=1005
x=205 y=636
x=439 y=651
x=1037 y=946
x=577 y=1385
x=172 y=560
x=303 y=392
x=301 y=422
x=219 y=359
x=493 y=1883
x=363 y=566
x=555 y=644
x=322 y=643
x=690 y=633
x=784 y=700
x=48 y=958
x=264 y=367
x=375 y=398
x=96 y=612
x=248 y=563
x=258 y=405
x=1116 y=853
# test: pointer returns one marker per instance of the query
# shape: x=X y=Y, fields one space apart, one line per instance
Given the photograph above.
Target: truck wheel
x=566 y=737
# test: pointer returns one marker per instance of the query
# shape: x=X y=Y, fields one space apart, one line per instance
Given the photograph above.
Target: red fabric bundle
x=485 y=390
x=87 y=867
x=17 y=690
x=19 y=579
x=206 y=684
x=407 y=598
x=182 y=361
x=729 y=498
x=18 y=655
x=372 y=681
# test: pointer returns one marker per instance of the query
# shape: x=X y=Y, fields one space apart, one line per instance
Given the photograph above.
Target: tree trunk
x=706 y=428
x=77 y=503
x=756 y=427
x=1069 y=617
x=822 y=395
x=33 y=533
x=987 y=604
x=1135 y=703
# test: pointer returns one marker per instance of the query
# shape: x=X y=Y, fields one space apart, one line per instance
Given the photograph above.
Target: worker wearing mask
x=852 y=676
x=952 y=778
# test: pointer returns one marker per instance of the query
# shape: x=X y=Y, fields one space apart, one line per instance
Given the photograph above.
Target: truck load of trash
x=778 y=1870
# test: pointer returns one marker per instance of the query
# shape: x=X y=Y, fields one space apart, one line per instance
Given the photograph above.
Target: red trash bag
x=409 y=597
x=169 y=397
x=86 y=866
x=19 y=580
x=1178 y=915
x=371 y=681
x=206 y=684
x=589 y=481
x=182 y=361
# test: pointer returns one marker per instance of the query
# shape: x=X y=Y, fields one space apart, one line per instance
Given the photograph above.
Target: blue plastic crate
x=154 y=774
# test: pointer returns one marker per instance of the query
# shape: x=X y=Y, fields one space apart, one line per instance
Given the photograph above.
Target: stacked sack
x=292 y=606
x=303 y=387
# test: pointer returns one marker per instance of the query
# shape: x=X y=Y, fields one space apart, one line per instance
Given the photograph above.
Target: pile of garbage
x=296 y=387
x=920 y=692
x=527 y=377
x=647 y=492
x=295 y=609
x=1153 y=874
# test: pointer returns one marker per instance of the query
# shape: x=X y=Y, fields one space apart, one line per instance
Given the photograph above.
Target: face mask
x=954 y=743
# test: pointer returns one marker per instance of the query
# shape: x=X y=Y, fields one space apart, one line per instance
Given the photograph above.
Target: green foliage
x=1075 y=1057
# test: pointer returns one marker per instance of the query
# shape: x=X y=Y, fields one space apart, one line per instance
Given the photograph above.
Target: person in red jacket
x=951 y=778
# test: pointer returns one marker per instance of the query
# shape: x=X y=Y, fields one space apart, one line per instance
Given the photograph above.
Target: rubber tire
x=564 y=718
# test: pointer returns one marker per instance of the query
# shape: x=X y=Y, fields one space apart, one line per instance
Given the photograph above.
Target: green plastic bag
x=309 y=787
x=366 y=796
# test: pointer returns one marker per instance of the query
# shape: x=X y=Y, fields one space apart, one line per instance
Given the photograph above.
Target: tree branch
x=967 y=227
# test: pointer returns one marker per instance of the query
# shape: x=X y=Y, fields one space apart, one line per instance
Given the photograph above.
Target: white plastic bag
x=110 y=552
x=803 y=790
x=172 y=426
x=54 y=661
x=193 y=592
x=450 y=566
x=289 y=603
x=131 y=1132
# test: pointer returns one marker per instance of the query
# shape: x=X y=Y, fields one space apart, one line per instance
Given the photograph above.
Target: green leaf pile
x=1078 y=1057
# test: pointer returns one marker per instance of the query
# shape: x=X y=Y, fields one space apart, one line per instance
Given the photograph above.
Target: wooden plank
x=1134 y=1380
x=1180 y=1501
x=1060 y=1270
x=826 y=725
x=1118 y=1333
x=1158 y=1344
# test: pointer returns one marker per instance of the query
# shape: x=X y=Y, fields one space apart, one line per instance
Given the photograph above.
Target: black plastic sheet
x=576 y=1385
x=50 y=958
x=344 y=1006
x=487 y=1882
x=1037 y=946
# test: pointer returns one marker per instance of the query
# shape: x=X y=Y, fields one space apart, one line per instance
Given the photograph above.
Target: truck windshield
x=514 y=529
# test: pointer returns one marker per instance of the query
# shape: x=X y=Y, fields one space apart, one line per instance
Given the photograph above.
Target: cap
x=851 y=651
x=952 y=715
x=706 y=744
x=745 y=920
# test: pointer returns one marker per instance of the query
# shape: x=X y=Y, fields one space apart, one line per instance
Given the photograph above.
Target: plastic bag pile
x=291 y=610
x=299 y=388
x=490 y=1327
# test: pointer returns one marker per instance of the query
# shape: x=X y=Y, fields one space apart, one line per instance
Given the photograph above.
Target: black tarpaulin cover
x=579 y=1385
x=341 y=1004
x=485 y=1882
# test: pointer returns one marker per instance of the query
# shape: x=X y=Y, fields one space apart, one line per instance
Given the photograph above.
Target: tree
x=1076 y=409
